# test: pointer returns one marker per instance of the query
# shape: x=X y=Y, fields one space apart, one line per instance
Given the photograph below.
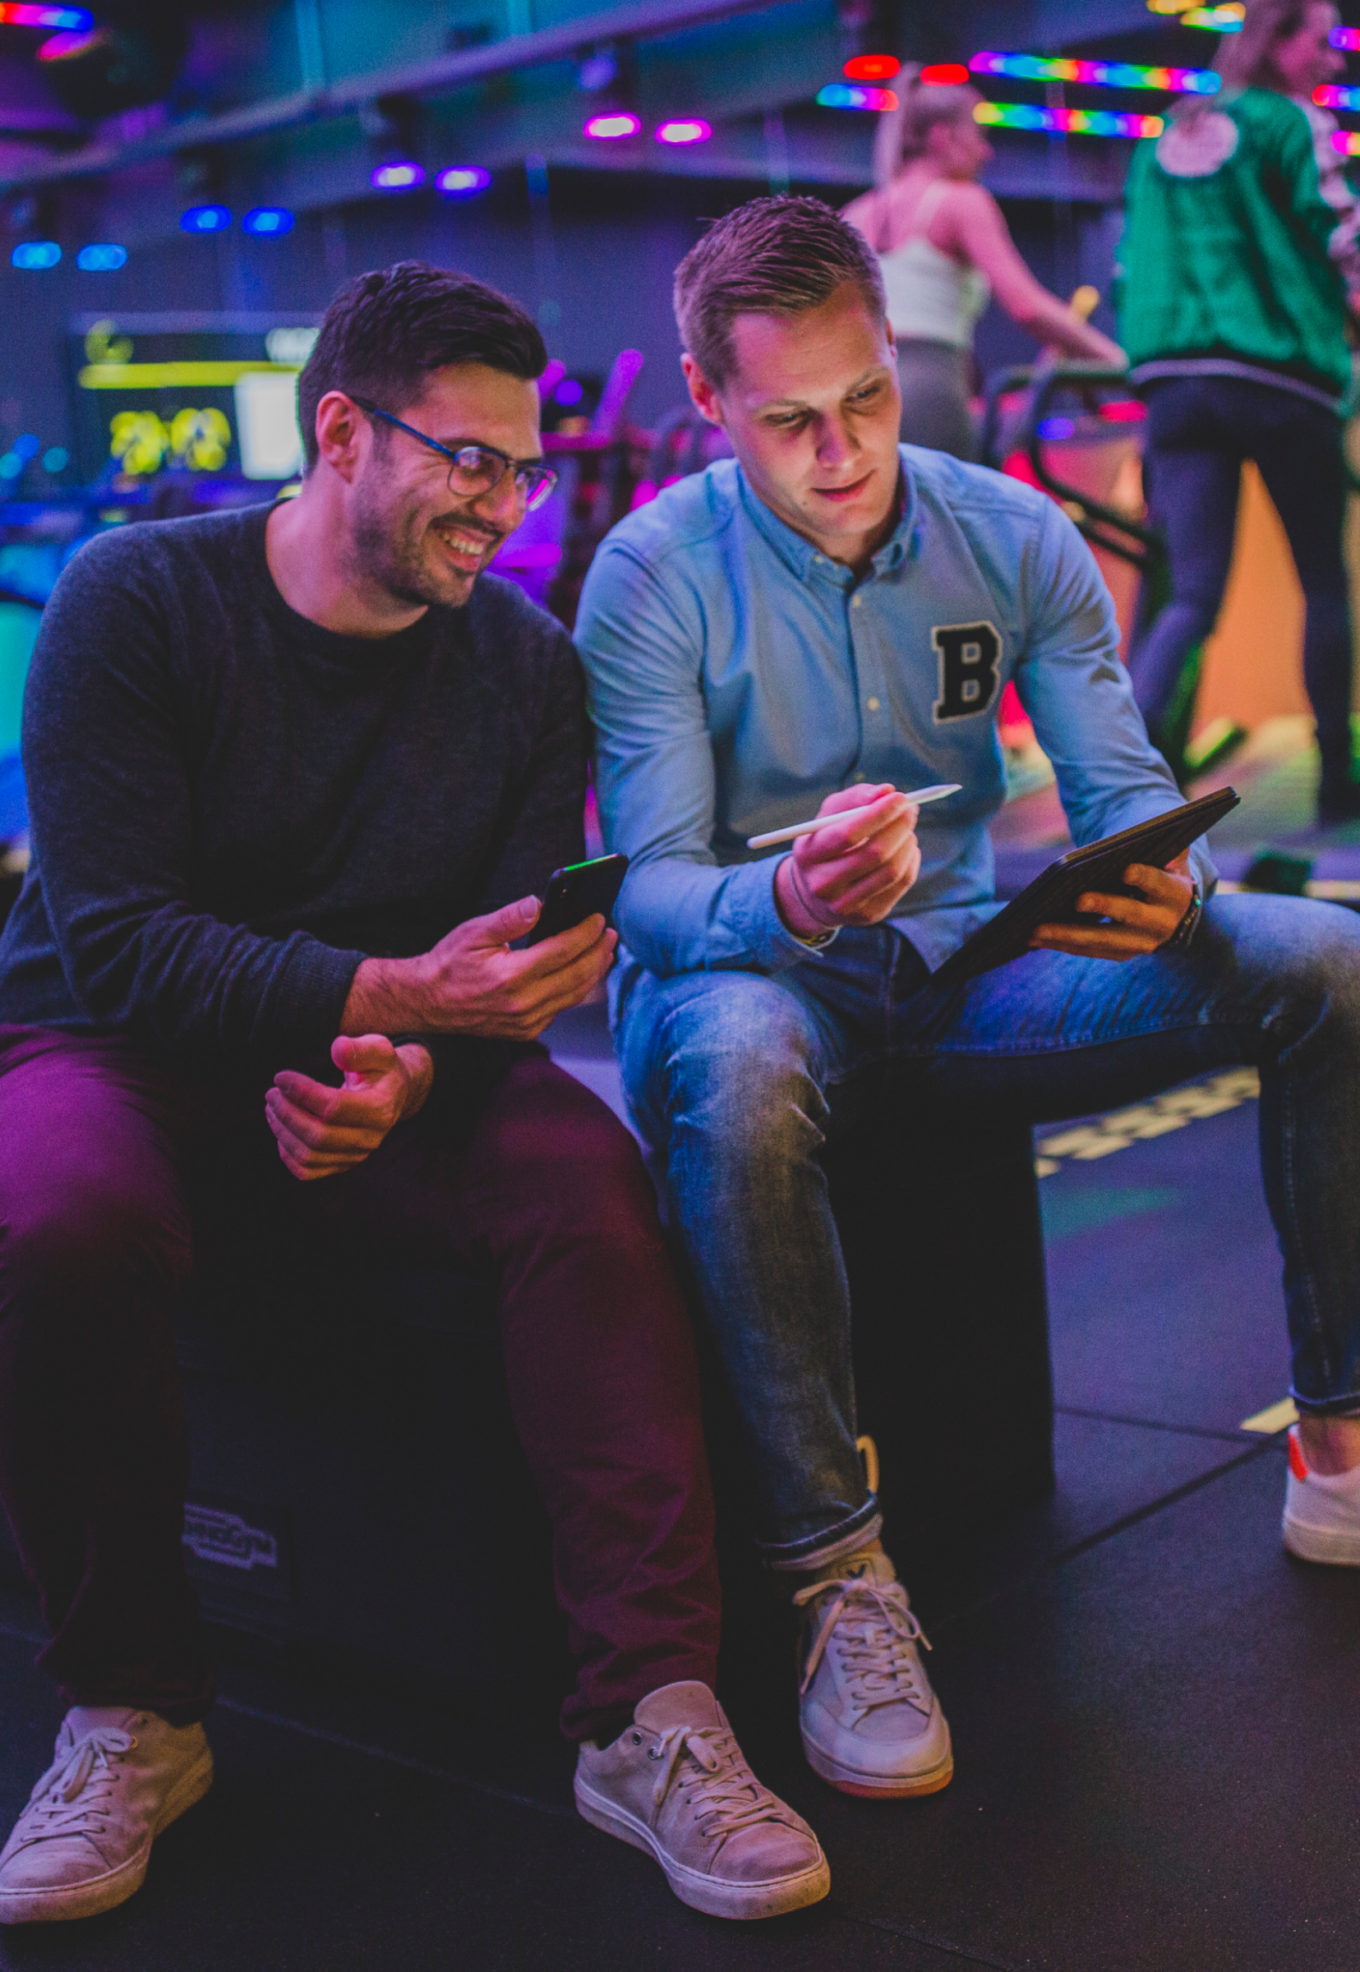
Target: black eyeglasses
x=475 y=468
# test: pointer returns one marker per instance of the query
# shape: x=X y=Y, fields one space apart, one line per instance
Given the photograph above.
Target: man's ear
x=705 y=397
x=340 y=428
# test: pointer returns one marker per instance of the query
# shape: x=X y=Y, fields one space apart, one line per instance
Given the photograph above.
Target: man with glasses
x=298 y=775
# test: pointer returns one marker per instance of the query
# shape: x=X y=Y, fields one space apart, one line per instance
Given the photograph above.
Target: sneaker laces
x=73 y=1794
x=875 y=1630
x=721 y=1788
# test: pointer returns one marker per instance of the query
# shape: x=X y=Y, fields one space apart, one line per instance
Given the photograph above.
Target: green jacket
x=1228 y=254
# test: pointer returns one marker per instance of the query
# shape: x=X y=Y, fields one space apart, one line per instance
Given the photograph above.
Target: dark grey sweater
x=232 y=806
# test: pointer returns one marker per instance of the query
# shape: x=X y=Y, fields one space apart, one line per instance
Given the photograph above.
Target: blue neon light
x=268 y=220
x=101 y=258
x=206 y=219
x=34 y=254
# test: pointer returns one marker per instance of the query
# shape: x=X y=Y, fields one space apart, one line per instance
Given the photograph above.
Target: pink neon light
x=613 y=123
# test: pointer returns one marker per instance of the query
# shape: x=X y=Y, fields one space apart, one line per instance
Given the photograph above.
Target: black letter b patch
x=970 y=657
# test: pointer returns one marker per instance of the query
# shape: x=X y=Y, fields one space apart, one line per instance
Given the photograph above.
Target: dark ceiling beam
x=645 y=21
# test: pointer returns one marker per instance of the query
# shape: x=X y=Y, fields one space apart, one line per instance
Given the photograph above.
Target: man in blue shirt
x=829 y=618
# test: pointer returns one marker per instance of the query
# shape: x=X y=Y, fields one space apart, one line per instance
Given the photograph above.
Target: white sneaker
x=82 y=1844
x=677 y=1785
x=1321 y=1511
x=871 y=1723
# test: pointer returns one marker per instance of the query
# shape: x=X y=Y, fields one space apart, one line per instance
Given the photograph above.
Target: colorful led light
x=33 y=255
x=1097 y=75
x=568 y=392
x=1347 y=142
x=853 y=96
x=1345 y=37
x=27 y=446
x=463 y=181
x=1219 y=20
x=944 y=75
x=101 y=258
x=74 y=20
x=871 y=68
x=268 y=221
x=1329 y=97
x=612 y=124
x=1077 y=123
x=205 y=219
x=402 y=175
x=56 y=459
x=684 y=130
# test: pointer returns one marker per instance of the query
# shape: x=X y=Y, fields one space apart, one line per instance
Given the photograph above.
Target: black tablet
x=1051 y=898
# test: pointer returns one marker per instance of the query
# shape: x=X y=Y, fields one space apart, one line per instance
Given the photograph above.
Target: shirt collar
x=803 y=560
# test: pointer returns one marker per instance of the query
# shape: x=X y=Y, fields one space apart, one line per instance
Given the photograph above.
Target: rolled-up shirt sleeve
x=641 y=635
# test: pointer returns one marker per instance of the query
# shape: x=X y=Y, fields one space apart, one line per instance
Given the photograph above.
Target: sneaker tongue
x=687 y=1703
x=868 y=1566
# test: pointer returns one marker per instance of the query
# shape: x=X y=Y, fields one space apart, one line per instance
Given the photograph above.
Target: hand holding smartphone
x=578 y=892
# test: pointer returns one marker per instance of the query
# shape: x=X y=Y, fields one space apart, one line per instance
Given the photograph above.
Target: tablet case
x=1051 y=898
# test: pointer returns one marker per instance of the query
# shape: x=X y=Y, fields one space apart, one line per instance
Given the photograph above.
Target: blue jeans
x=741 y=1077
x=1199 y=431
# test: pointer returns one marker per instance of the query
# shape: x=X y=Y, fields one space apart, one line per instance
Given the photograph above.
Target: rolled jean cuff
x=833 y=1544
x=1346 y=1405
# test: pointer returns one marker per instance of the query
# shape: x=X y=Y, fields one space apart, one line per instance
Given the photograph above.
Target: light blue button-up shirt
x=737 y=677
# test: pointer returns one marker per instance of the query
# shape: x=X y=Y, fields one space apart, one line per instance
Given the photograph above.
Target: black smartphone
x=577 y=892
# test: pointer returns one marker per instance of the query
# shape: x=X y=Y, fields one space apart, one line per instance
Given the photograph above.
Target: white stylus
x=919 y=795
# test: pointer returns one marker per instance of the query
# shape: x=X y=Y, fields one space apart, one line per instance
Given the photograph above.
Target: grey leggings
x=935 y=391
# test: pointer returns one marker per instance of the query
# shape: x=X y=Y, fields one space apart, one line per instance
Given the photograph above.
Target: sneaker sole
x=116 y=1885
x=875 y=1787
x=707 y=1893
x=1326 y=1544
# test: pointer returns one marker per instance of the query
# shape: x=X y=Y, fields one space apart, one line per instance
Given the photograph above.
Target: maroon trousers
x=110 y=1165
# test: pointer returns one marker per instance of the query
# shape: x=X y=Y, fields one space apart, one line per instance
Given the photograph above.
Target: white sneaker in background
x=118 y=1777
x=1321 y=1511
x=676 y=1784
x=871 y=1723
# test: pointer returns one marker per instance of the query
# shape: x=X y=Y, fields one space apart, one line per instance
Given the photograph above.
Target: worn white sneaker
x=871 y=1723
x=1321 y=1512
x=677 y=1785
x=82 y=1844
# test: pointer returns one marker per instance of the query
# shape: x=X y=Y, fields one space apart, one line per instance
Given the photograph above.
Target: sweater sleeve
x=107 y=761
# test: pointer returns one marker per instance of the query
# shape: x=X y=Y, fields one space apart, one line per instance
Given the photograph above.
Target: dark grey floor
x=1153 y=1708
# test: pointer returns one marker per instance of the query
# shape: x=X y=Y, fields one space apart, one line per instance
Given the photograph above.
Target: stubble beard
x=388 y=552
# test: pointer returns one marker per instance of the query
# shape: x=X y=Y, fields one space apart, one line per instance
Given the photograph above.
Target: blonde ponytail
x=904 y=133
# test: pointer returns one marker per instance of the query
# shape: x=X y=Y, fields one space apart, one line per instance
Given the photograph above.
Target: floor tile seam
x=1007 y=1589
x=1149 y=1424
x=426 y=1767
x=893 y=1927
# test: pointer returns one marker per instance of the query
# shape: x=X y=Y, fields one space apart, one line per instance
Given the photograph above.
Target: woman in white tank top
x=944 y=250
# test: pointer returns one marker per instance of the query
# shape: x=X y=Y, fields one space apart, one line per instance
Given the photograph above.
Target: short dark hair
x=385 y=332
x=775 y=256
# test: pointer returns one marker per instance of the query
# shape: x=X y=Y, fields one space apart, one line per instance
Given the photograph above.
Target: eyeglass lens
x=476 y=471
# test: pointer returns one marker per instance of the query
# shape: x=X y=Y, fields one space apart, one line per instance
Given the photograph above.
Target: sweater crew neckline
x=357 y=653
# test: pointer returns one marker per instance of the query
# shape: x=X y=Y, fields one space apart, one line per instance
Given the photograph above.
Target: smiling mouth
x=465 y=543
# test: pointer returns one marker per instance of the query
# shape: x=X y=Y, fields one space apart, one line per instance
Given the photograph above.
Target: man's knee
x=736 y=1068
x=83 y=1229
x=1304 y=953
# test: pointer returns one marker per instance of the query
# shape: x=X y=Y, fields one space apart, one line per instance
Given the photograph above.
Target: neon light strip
x=174 y=376
x=855 y=96
x=1077 y=123
x=1098 y=75
x=17 y=13
x=1328 y=97
x=1345 y=37
x=1219 y=20
x=1347 y=142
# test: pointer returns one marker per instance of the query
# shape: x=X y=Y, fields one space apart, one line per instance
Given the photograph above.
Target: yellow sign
x=142 y=442
x=174 y=376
